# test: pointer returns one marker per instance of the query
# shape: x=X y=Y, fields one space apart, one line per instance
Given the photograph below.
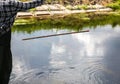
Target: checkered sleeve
x=22 y=6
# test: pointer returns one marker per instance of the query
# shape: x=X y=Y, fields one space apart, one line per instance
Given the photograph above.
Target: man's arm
x=21 y=6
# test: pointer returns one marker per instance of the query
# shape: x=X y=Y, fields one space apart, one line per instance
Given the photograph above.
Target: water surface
x=84 y=58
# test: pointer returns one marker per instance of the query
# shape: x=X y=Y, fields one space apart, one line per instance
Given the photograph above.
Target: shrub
x=115 y=6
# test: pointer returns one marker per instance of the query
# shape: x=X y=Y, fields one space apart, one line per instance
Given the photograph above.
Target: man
x=8 y=11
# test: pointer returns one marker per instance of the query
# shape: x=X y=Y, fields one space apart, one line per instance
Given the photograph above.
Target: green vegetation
x=115 y=5
x=74 y=22
x=77 y=7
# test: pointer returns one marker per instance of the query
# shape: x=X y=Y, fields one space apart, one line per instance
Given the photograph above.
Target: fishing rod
x=55 y=35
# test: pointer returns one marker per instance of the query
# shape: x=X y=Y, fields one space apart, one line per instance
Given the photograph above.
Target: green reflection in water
x=73 y=22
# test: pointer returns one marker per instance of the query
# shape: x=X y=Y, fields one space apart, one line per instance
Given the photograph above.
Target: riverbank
x=56 y=9
x=77 y=18
x=74 y=22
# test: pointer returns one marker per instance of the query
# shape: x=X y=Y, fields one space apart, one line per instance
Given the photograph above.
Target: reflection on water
x=85 y=58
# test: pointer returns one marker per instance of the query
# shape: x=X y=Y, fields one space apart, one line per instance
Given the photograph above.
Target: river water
x=85 y=58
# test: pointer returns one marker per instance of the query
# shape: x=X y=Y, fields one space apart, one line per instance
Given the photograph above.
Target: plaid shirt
x=8 y=12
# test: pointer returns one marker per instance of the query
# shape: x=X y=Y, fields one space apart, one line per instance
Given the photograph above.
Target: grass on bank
x=115 y=5
x=74 y=22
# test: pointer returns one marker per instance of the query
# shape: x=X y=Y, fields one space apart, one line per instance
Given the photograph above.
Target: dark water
x=84 y=58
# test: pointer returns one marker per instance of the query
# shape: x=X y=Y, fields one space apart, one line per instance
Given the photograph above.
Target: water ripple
x=87 y=72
